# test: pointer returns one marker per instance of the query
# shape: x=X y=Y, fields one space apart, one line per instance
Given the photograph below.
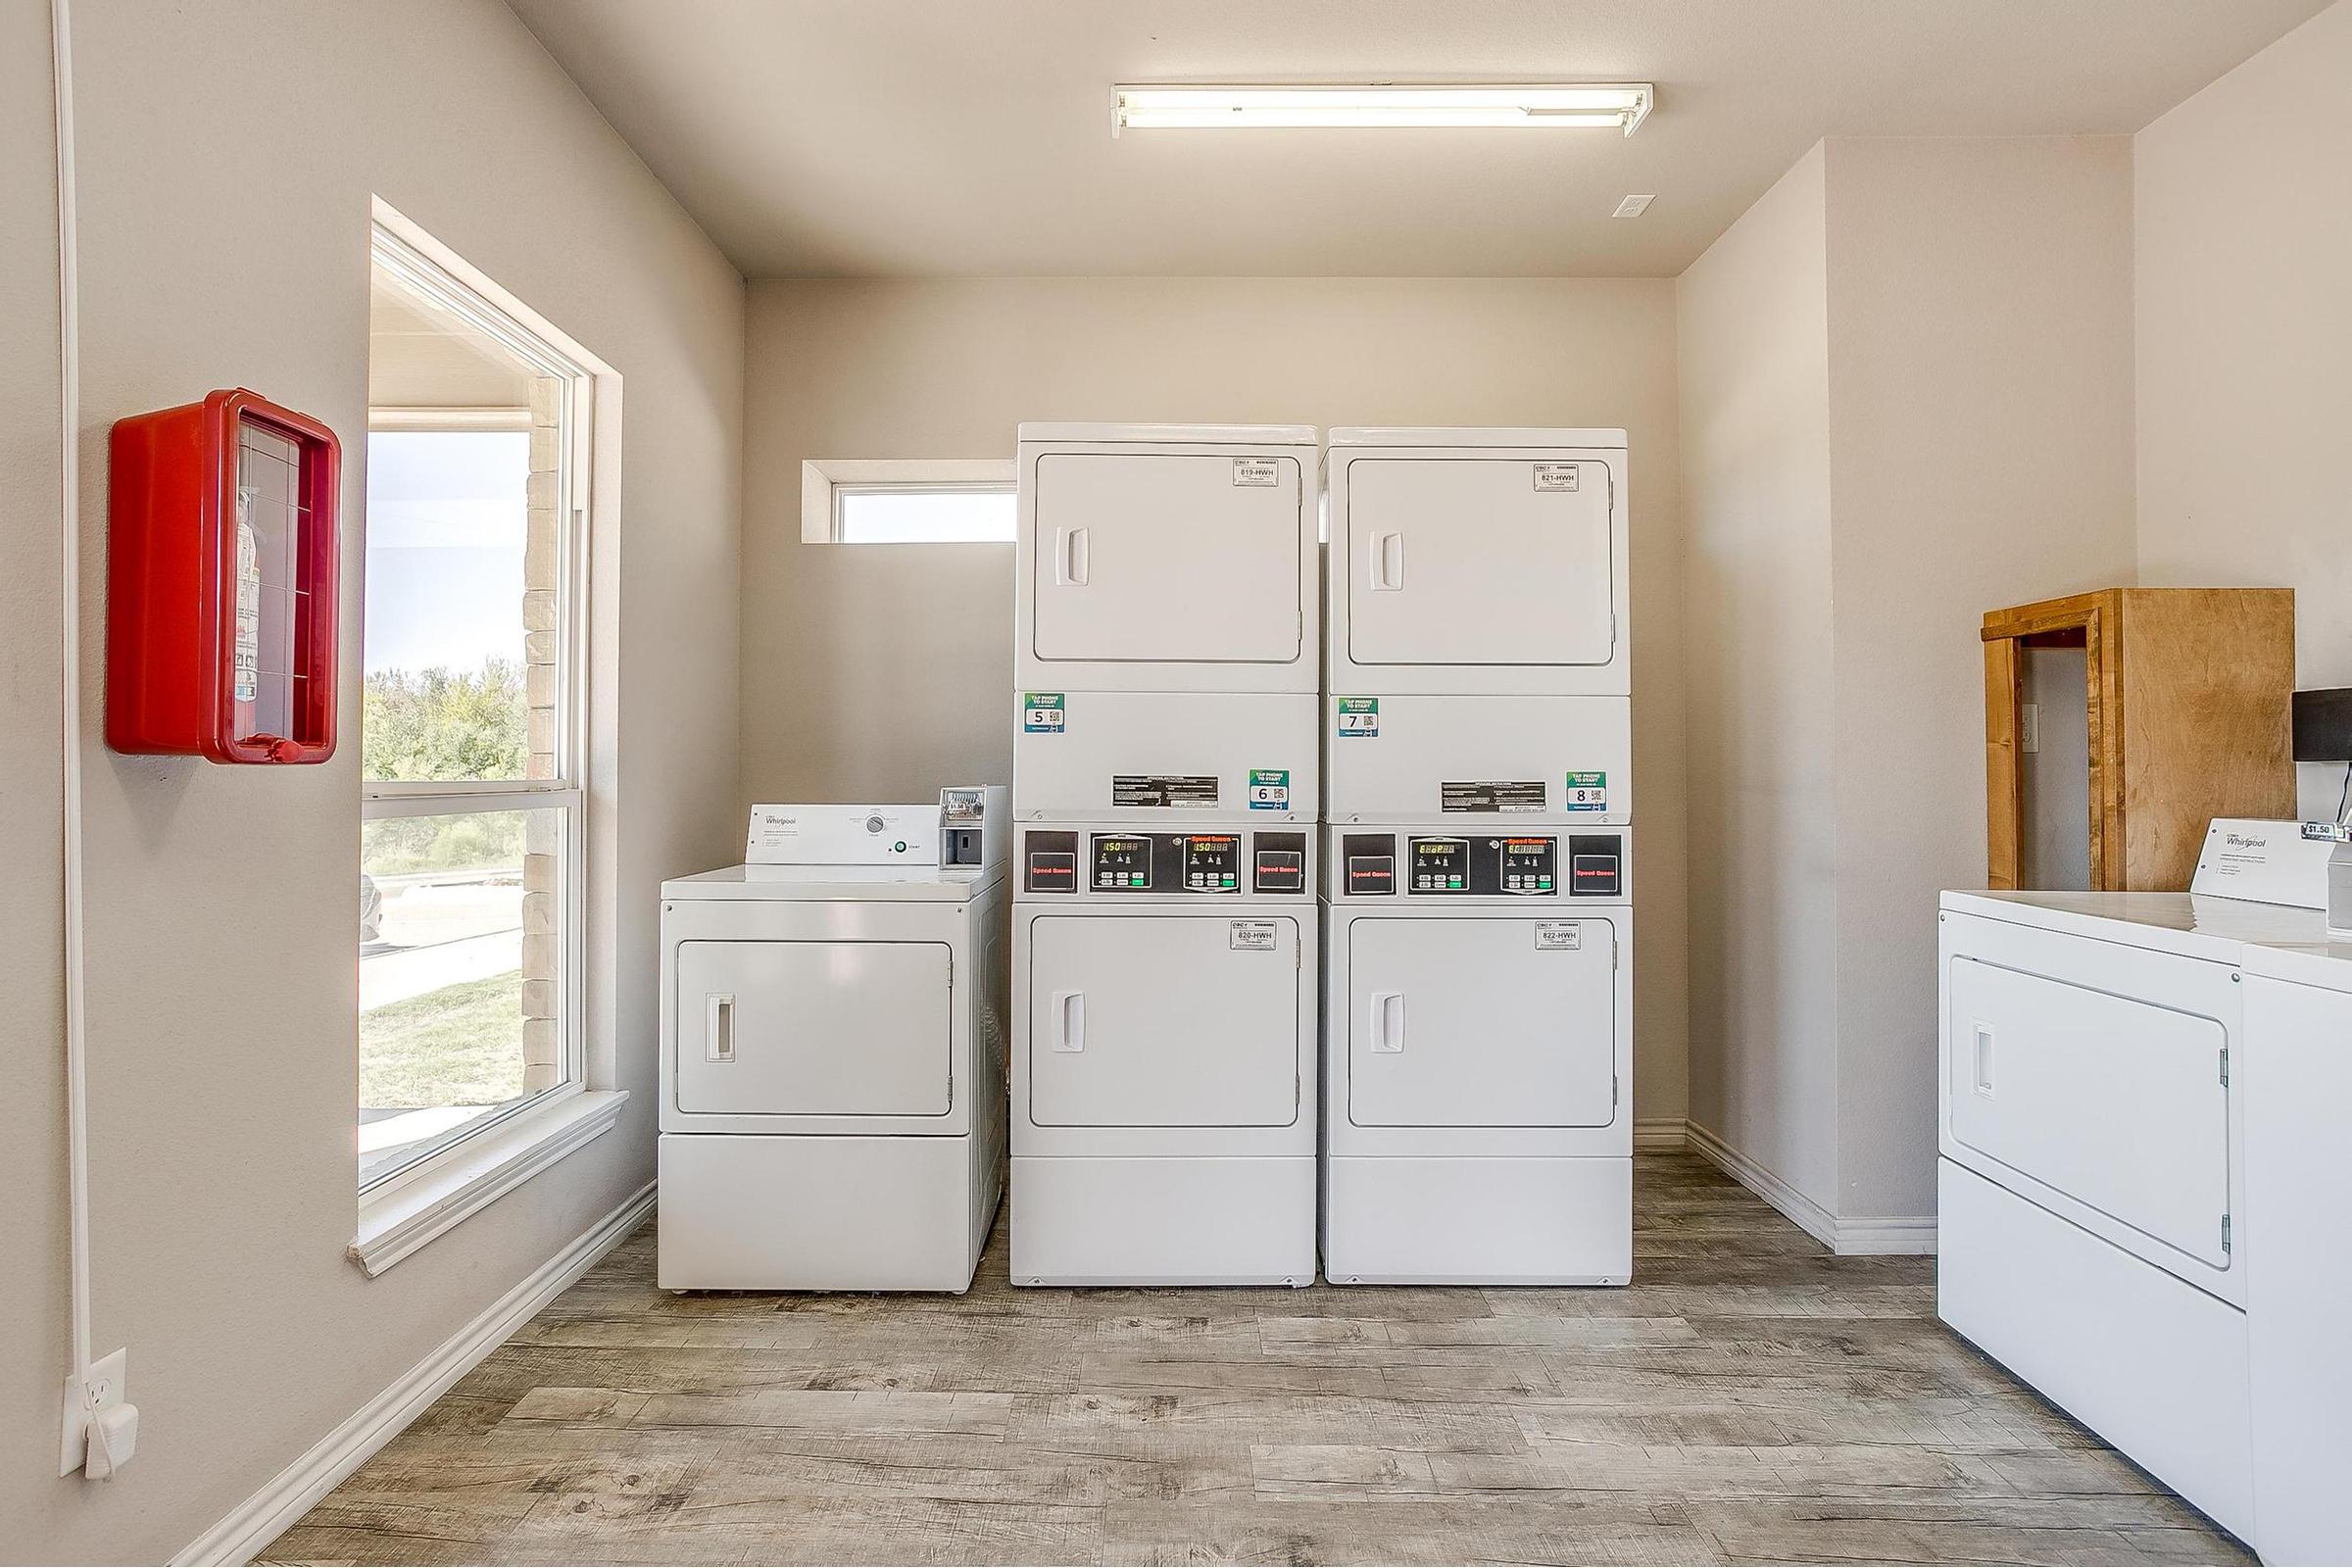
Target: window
x=471 y=838
x=914 y=501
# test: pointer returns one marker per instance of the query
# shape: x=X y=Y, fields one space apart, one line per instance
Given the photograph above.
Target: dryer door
x=1475 y=1022
x=1167 y=557
x=1478 y=560
x=813 y=1028
x=1164 y=1022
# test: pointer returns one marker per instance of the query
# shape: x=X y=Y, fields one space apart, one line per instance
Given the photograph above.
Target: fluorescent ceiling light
x=1614 y=105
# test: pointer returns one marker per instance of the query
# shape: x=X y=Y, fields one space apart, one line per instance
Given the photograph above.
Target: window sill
x=444 y=1192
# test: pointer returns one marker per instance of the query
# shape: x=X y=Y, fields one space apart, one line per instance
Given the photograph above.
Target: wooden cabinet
x=2184 y=716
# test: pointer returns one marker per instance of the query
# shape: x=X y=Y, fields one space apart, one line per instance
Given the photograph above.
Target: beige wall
x=34 y=1345
x=1907 y=390
x=2244 y=328
x=1981 y=451
x=227 y=154
x=1755 y=387
x=887 y=670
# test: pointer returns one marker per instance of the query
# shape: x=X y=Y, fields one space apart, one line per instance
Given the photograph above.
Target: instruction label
x=1587 y=792
x=1490 y=795
x=1041 y=713
x=1177 y=791
x=1558 y=477
x=1360 y=717
x=1559 y=936
x=1251 y=936
x=1256 y=474
x=1269 y=789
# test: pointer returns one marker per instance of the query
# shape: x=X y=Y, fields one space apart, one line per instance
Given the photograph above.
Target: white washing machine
x=833 y=1050
x=1478 y=1024
x=1479 y=789
x=1165 y=785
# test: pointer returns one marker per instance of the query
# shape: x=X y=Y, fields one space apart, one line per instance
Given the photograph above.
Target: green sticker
x=1587 y=792
x=1269 y=789
x=1360 y=717
x=1041 y=713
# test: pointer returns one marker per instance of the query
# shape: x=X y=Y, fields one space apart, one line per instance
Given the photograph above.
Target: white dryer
x=1163 y=1075
x=1477 y=618
x=1478 y=1051
x=833 y=1052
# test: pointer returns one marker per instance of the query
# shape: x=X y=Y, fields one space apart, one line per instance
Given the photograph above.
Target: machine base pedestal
x=1085 y=1220
x=1457 y=1220
x=746 y=1211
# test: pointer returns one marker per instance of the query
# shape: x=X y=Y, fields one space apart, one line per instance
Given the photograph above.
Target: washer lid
x=891 y=883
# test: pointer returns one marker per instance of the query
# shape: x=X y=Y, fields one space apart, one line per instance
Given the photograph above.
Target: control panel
x=1168 y=864
x=1436 y=865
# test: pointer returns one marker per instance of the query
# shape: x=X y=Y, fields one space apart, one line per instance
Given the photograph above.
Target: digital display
x=1529 y=866
x=1213 y=862
x=1440 y=865
x=1122 y=862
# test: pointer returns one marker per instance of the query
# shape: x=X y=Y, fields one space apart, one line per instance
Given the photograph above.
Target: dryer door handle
x=1069 y=1020
x=1387 y=561
x=1387 y=1022
x=718 y=1027
x=1069 y=558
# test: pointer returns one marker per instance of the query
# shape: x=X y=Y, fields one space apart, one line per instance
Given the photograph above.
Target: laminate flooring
x=1748 y=1399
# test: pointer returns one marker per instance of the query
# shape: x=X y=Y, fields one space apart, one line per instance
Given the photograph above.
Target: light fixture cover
x=1530 y=105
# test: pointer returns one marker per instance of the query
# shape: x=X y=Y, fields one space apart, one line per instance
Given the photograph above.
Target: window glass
x=448 y=1039
x=444 y=645
x=890 y=514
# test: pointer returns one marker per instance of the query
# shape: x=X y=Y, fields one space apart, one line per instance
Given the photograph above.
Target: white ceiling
x=932 y=137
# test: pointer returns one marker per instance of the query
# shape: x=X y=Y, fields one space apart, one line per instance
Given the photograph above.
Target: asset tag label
x=1558 y=477
x=1269 y=789
x=1359 y=717
x=1251 y=936
x=1559 y=936
x=1043 y=714
x=1256 y=474
x=1587 y=792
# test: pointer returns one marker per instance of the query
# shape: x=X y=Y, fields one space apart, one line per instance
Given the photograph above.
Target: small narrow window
x=471 y=728
x=916 y=501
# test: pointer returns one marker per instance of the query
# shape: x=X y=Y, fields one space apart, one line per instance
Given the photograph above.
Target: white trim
x=261 y=1518
x=1868 y=1236
x=818 y=476
x=393 y=416
x=1661 y=1135
x=439 y=1193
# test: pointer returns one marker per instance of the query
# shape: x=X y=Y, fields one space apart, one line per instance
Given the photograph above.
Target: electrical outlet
x=2029 y=727
x=108 y=1376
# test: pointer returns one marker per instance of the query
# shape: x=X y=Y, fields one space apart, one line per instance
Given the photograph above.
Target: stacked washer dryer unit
x=1478 y=751
x=1164 y=801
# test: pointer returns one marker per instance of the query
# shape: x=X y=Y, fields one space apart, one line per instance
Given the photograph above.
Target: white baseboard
x=1868 y=1236
x=1661 y=1135
x=266 y=1515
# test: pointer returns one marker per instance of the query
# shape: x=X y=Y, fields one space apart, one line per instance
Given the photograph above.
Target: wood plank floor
x=1748 y=1399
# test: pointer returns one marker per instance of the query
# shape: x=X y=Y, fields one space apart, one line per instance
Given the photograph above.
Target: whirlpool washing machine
x=1165 y=794
x=1477 y=995
x=833 y=1050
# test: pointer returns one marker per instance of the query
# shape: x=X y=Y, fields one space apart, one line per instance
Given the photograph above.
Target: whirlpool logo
x=2239 y=840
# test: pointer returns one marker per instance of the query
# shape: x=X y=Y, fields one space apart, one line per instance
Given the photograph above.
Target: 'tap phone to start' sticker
x=1359 y=717
x=1587 y=792
x=1043 y=714
x=1269 y=789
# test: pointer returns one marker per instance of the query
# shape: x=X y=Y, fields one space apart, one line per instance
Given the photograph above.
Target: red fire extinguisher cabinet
x=221 y=579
